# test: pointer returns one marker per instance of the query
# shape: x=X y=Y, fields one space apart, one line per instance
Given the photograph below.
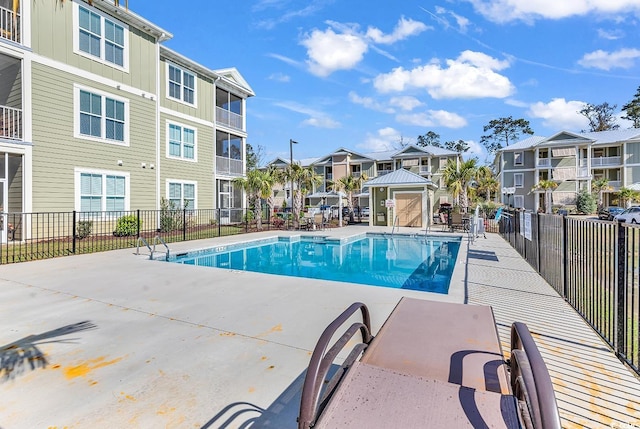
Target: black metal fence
x=31 y=236
x=593 y=264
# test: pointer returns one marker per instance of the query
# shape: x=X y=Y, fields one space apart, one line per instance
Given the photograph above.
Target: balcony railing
x=383 y=172
x=10 y=123
x=10 y=25
x=230 y=119
x=606 y=160
x=356 y=173
x=544 y=162
x=614 y=185
x=229 y=167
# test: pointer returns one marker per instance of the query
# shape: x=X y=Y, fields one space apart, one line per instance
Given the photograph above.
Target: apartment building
x=572 y=160
x=425 y=162
x=97 y=115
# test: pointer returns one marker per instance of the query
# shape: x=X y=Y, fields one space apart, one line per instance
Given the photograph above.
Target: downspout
x=215 y=148
x=158 y=123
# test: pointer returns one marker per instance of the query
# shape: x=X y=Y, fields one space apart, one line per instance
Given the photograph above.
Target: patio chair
x=447 y=360
x=459 y=221
x=443 y=221
x=318 y=221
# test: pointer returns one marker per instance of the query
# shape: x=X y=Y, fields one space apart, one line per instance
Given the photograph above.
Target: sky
x=371 y=75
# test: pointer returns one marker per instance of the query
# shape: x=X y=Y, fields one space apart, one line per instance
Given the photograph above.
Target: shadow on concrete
x=17 y=357
x=281 y=414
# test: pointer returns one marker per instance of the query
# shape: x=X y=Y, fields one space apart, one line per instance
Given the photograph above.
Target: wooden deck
x=593 y=388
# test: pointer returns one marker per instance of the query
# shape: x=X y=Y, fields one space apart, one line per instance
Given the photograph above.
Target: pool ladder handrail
x=395 y=224
x=155 y=241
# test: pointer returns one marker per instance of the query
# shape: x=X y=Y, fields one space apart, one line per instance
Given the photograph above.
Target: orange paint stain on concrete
x=271 y=367
x=277 y=328
x=252 y=389
x=227 y=334
x=165 y=410
x=264 y=358
x=87 y=367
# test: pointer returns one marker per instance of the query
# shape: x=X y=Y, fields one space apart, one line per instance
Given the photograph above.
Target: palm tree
x=627 y=195
x=274 y=176
x=547 y=186
x=349 y=184
x=258 y=185
x=457 y=177
x=486 y=182
x=599 y=186
x=304 y=179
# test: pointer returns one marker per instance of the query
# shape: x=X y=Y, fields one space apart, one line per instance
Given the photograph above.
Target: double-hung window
x=518 y=180
x=99 y=191
x=181 y=84
x=518 y=158
x=99 y=37
x=182 y=142
x=101 y=116
x=182 y=194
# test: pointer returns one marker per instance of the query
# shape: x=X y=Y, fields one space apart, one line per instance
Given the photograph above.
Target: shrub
x=585 y=202
x=127 y=226
x=84 y=229
x=170 y=216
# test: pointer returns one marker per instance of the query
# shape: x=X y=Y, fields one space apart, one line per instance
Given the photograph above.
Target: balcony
x=383 y=172
x=10 y=24
x=544 y=162
x=229 y=167
x=10 y=123
x=606 y=161
x=356 y=174
x=230 y=119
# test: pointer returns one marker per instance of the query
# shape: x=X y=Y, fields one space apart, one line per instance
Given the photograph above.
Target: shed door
x=409 y=209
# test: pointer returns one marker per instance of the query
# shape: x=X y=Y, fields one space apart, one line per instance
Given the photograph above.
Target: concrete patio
x=121 y=341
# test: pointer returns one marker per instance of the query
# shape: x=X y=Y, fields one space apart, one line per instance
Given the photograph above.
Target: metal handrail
x=143 y=241
x=530 y=379
x=321 y=360
x=155 y=241
x=396 y=220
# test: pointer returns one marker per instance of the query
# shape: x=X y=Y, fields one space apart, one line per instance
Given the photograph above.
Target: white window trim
x=515 y=182
x=183 y=182
x=195 y=85
x=521 y=158
x=195 y=142
x=127 y=186
x=518 y=201
x=101 y=59
x=76 y=116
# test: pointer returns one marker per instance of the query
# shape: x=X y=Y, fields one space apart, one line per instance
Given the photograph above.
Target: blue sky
x=367 y=75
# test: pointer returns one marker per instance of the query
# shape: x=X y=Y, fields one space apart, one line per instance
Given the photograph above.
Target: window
x=443 y=163
x=518 y=201
x=181 y=85
x=182 y=194
x=99 y=37
x=518 y=180
x=99 y=191
x=181 y=142
x=518 y=158
x=101 y=116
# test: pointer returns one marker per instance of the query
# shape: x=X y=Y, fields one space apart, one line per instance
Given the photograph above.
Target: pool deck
x=167 y=345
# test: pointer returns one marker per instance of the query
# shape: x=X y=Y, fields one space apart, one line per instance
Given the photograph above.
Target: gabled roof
x=343 y=151
x=382 y=155
x=524 y=144
x=232 y=75
x=399 y=177
x=427 y=150
x=613 y=136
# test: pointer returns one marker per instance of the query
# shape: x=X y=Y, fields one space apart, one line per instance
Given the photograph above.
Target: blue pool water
x=424 y=263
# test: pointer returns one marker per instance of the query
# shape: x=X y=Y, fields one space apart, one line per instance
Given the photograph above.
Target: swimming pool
x=424 y=263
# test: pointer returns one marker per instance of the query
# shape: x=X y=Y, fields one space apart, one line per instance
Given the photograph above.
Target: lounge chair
x=433 y=365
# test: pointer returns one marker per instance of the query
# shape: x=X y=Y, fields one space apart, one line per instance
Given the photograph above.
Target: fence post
x=219 y=222
x=73 y=245
x=621 y=254
x=184 y=224
x=565 y=258
x=246 y=220
x=138 y=223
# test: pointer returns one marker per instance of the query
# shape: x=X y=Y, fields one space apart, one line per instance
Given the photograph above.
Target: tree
x=503 y=130
x=599 y=186
x=258 y=185
x=632 y=109
x=486 y=182
x=349 y=184
x=585 y=202
x=254 y=156
x=600 y=116
x=457 y=146
x=457 y=177
x=627 y=195
x=429 y=139
x=276 y=176
x=304 y=179
x=547 y=186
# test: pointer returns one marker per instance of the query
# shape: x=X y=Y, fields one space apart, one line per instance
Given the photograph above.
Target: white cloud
x=315 y=118
x=559 y=114
x=279 y=77
x=433 y=118
x=463 y=23
x=471 y=75
x=475 y=150
x=369 y=103
x=610 y=34
x=329 y=52
x=385 y=139
x=622 y=58
x=404 y=28
x=405 y=102
x=529 y=11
